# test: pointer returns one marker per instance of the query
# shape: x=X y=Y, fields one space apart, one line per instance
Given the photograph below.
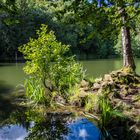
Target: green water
x=13 y=75
x=97 y=68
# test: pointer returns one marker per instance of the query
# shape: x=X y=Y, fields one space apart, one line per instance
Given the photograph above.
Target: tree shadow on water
x=6 y=107
x=122 y=129
x=5 y=88
x=12 y=114
x=37 y=125
x=7 y=64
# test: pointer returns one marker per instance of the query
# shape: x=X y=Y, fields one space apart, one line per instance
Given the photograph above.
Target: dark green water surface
x=13 y=75
x=97 y=68
x=19 y=123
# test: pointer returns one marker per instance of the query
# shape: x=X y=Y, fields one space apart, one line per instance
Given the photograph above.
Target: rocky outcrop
x=122 y=89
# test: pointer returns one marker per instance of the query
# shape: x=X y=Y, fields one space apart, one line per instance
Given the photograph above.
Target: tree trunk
x=128 y=60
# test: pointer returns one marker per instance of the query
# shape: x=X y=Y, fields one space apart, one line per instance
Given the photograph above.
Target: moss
x=121 y=88
x=127 y=70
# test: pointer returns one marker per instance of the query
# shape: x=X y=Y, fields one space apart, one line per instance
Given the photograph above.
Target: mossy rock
x=122 y=89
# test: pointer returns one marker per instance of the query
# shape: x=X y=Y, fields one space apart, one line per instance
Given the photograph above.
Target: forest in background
x=90 y=33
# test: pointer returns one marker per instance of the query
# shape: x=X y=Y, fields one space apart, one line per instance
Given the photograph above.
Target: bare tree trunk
x=128 y=60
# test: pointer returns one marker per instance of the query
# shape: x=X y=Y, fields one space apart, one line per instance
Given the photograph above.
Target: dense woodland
x=48 y=34
x=90 y=32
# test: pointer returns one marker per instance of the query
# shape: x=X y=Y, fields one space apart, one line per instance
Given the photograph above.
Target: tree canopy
x=92 y=28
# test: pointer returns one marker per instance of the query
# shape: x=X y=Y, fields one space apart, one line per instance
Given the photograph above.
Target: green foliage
x=108 y=113
x=35 y=90
x=60 y=16
x=135 y=42
x=48 y=62
x=86 y=27
x=91 y=102
x=75 y=94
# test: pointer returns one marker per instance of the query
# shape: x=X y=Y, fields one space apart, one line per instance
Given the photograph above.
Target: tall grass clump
x=35 y=90
x=108 y=114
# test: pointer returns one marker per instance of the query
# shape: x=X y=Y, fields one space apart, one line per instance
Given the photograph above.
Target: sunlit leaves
x=47 y=60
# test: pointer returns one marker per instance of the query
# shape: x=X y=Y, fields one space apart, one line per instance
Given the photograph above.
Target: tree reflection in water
x=18 y=122
x=51 y=127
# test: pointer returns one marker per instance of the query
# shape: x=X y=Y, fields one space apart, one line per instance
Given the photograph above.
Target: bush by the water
x=49 y=66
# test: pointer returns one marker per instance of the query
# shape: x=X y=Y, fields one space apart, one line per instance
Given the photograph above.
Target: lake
x=13 y=75
x=97 y=68
x=18 y=123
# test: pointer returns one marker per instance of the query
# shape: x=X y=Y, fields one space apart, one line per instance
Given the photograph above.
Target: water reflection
x=49 y=126
x=13 y=132
x=82 y=129
x=27 y=124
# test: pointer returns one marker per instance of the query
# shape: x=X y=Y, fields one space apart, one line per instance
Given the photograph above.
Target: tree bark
x=128 y=60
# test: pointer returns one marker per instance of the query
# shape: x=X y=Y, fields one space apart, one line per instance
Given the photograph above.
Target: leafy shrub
x=48 y=62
